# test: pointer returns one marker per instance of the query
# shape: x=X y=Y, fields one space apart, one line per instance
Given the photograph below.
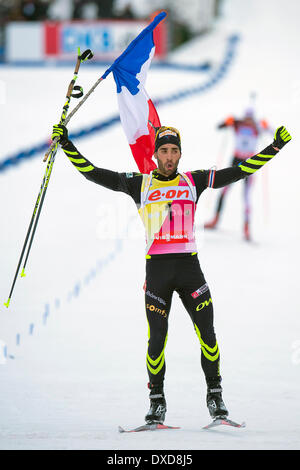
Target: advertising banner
x=41 y=41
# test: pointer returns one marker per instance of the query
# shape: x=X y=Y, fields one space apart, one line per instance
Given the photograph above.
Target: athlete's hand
x=281 y=137
x=60 y=132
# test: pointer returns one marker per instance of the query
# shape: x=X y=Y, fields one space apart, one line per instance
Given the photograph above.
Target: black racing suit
x=172 y=272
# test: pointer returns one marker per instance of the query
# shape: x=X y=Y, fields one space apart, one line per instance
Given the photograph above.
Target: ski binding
x=218 y=421
x=148 y=427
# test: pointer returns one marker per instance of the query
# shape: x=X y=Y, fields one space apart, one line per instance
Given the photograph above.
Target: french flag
x=137 y=112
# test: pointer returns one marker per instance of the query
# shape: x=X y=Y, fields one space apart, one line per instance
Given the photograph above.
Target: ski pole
x=41 y=195
x=27 y=236
x=81 y=57
x=38 y=213
x=72 y=114
x=86 y=55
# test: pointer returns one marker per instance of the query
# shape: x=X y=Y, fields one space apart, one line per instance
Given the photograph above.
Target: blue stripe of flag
x=126 y=67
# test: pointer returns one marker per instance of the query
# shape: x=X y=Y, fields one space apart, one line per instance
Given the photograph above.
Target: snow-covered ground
x=78 y=370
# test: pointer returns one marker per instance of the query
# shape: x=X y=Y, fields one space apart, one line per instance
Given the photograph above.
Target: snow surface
x=81 y=372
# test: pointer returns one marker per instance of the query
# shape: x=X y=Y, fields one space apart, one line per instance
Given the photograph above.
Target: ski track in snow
x=81 y=372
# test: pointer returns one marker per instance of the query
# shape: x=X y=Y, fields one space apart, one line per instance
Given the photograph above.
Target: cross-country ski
x=148 y=427
x=222 y=421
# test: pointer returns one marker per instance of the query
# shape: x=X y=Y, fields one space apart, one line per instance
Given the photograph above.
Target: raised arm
x=229 y=121
x=107 y=178
x=220 y=178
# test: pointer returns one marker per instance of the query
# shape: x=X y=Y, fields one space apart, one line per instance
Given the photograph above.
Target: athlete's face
x=167 y=157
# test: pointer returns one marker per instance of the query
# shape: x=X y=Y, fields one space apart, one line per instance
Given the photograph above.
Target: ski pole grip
x=86 y=55
x=80 y=92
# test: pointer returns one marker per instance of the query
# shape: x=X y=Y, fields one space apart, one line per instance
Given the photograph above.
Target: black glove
x=61 y=132
x=281 y=137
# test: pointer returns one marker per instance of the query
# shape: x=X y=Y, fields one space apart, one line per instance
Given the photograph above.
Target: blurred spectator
x=77 y=9
x=181 y=33
x=83 y=9
x=5 y=9
x=22 y=10
x=9 y=10
x=105 y=8
x=89 y=11
x=36 y=10
x=127 y=12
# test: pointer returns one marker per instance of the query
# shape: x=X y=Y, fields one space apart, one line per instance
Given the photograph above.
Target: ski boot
x=158 y=406
x=247 y=232
x=215 y=403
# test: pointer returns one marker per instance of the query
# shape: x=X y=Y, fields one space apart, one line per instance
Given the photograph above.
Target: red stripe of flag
x=143 y=149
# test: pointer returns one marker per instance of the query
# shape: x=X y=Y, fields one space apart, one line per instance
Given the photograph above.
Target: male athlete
x=166 y=200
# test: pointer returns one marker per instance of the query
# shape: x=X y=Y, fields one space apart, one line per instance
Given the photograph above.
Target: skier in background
x=246 y=132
